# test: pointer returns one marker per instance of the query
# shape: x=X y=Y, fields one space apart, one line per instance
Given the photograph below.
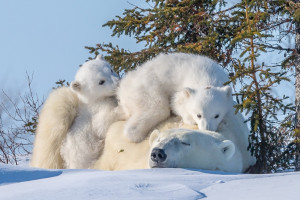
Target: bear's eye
x=184 y=143
x=101 y=82
x=217 y=116
x=199 y=116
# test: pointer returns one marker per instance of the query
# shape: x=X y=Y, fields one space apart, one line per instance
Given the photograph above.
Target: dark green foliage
x=258 y=21
x=188 y=26
x=61 y=83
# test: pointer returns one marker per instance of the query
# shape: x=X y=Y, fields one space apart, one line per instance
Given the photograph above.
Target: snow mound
x=35 y=184
x=276 y=187
x=13 y=174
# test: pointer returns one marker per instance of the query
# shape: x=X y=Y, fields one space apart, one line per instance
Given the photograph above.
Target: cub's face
x=94 y=80
x=208 y=106
x=183 y=148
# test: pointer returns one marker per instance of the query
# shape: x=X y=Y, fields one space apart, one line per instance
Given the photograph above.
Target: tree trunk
x=297 y=87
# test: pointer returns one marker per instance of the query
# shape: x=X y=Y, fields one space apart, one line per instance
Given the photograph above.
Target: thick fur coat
x=55 y=120
x=145 y=93
x=121 y=154
x=75 y=119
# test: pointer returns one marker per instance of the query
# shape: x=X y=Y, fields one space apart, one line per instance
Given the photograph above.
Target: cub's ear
x=75 y=86
x=181 y=96
x=228 y=91
x=153 y=136
x=227 y=148
x=187 y=92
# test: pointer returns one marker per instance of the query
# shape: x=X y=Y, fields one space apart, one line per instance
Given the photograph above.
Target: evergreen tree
x=297 y=86
x=194 y=26
x=268 y=142
x=296 y=13
x=236 y=37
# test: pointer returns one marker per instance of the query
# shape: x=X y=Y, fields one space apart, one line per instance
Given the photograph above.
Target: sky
x=46 y=39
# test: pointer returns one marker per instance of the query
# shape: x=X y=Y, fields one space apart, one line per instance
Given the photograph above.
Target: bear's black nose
x=158 y=155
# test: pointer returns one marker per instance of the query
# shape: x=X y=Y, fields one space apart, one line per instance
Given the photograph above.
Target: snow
x=281 y=187
x=29 y=183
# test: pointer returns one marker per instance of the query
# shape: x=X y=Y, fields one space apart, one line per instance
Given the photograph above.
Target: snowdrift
x=166 y=183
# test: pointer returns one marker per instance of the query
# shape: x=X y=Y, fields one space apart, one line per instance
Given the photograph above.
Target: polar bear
x=144 y=94
x=185 y=148
x=74 y=120
x=206 y=106
x=55 y=119
x=211 y=108
x=121 y=154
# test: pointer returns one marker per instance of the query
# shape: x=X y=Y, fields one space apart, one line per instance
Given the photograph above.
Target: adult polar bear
x=145 y=93
x=74 y=120
x=169 y=147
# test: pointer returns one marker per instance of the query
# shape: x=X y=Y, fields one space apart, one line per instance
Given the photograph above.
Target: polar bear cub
x=73 y=121
x=211 y=108
x=95 y=85
x=145 y=93
x=205 y=107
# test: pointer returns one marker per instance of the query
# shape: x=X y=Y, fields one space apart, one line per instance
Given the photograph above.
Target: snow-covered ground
x=29 y=183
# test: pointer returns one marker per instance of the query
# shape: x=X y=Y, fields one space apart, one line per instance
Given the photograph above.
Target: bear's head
x=205 y=107
x=184 y=148
x=95 y=79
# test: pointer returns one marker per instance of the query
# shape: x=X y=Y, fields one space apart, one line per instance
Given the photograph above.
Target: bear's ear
x=227 y=148
x=75 y=86
x=181 y=96
x=153 y=136
x=228 y=91
x=187 y=92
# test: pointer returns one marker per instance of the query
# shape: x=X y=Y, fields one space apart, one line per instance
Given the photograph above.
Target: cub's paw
x=134 y=133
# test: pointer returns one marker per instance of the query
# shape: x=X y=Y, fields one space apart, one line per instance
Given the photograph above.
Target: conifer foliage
x=295 y=9
x=270 y=136
x=167 y=26
x=242 y=37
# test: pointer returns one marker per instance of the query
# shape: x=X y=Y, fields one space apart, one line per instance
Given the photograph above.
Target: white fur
x=84 y=141
x=87 y=80
x=78 y=129
x=95 y=84
x=55 y=119
x=215 y=106
x=121 y=154
x=145 y=93
x=234 y=127
x=205 y=107
x=186 y=148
